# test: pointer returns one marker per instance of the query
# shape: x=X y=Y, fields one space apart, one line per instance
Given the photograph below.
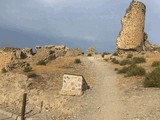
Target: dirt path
x=103 y=102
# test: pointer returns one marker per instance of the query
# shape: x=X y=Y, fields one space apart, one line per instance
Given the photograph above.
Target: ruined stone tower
x=131 y=36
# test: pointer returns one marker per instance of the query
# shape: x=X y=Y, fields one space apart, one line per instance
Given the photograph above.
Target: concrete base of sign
x=73 y=85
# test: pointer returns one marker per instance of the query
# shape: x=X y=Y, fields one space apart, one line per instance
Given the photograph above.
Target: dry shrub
x=153 y=79
x=132 y=70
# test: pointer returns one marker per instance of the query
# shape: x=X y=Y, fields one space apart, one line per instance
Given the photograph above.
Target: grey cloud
x=95 y=22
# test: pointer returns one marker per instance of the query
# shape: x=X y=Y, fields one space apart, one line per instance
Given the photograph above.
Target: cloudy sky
x=75 y=23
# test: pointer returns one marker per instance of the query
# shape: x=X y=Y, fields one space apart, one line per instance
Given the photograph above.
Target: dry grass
x=150 y=58
x=54 y=67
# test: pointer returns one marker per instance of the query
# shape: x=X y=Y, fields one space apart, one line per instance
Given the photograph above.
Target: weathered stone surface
x=49 y=52
x=131 y=36
x=17 y=58
x=28 y=52
x=10 y=49
x=16 y=64
x=6 y=58
x=107 y=57
x=73 y=52
x=73 y=85
x=16 y=53
x=12 y=84
x=91 y=51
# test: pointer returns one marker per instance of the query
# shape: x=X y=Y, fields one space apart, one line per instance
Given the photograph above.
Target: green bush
x=89 y=55
x=156 y=64
x=27 y=69
x=133 y=70
x=116 y=69
x=129 y=55
x=77 y=61
x=153 y=79
x=139 y=60
x=31 y=75
x=3 y=70
x=41 y=62
x=125 y=62
x=115 y=54
x=51 y=57
x=105 y=53
x=123 y=70
x=115 y=61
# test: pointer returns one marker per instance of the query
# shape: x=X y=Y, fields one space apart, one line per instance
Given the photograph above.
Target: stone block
x=73 y=85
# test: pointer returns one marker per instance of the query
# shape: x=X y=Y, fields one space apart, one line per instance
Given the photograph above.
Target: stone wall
x=131 y=36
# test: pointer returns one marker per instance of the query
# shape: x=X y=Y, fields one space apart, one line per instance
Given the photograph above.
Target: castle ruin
x=132 y=34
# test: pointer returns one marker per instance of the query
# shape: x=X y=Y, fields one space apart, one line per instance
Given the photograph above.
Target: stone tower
x=131 y=36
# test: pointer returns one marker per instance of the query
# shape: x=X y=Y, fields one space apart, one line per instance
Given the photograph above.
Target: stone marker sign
x=73 y=85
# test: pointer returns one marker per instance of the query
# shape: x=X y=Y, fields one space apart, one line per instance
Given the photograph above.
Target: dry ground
x=110 y=97
x=5 y=58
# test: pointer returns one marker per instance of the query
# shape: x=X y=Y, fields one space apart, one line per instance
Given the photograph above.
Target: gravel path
x=102 y=101
x=107 y=100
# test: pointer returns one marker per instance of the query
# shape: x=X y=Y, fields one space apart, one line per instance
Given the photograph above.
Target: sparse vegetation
x=129 y=55
x=77 y=61
x=115 y=54
x=3 y=70
x=116 y=69
x=153 y=79
x=27 y=69
x=41 y=62
x=139 y=60
x=133 y=70
x=89 y=55
x=51 y=57
x=125 y=62
x=106 y=60
x=115 y=61
x=31 y=75
x=156 y=64
x=105 y=53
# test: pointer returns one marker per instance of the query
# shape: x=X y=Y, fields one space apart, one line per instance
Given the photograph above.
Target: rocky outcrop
x=131 y=36
x=49 y=52
x=17 y=58
x=12 y=88
x=151 y=47
x=28 y=52
x=91 y=51
x=5 y=58
x=73 y=52
x=10 y=49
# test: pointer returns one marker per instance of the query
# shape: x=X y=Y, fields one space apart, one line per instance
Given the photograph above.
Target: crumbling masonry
x=132 y=34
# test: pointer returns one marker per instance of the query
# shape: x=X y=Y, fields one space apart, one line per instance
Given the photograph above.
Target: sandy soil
x=103 y=102
x=110 y=97
x=114 y=97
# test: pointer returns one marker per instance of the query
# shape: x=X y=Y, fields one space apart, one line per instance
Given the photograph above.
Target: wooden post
x=23 y=106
